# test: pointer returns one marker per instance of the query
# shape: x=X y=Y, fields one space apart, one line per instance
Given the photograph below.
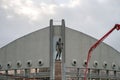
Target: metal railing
x=92 y=73
x=38 y=74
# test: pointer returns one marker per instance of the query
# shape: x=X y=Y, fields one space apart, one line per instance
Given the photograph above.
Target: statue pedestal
x=58 y=74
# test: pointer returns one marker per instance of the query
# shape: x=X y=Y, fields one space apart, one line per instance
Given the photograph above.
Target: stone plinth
x=58 y=75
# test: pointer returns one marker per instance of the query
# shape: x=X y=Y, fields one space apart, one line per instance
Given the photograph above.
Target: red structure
x=117 y=26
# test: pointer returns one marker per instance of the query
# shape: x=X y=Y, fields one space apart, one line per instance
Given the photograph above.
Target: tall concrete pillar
x=63 y=53
x=51 y=51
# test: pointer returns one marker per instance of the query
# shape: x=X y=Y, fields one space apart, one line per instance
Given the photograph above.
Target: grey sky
x=93 y=17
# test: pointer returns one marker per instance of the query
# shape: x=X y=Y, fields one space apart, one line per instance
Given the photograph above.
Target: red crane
x=117 y=26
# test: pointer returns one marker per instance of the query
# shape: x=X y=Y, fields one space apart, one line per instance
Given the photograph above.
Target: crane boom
x=117 y=26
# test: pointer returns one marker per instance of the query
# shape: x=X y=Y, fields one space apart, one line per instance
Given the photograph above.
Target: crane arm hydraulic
x=117 y=27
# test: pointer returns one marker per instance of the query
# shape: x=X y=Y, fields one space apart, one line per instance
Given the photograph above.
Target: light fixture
x=19 y=64
x=95 y=63
x=40 y=62
x=74 y=62
x=29 y=63
x=104 y=64
x=9 y=65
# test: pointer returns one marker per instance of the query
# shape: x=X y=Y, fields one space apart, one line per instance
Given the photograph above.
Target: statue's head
x=59 y=39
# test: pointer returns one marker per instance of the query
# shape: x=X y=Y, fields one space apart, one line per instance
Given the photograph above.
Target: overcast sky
x=92 y=17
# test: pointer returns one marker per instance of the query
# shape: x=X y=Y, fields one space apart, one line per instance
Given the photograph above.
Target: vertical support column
x=115 y=74
x=107 y=73
x=63 y=39
x=51 y=51
x=63 y=52
x=15 y=72
x=35 y=71
x=6 y=72
x=98 y=74
x=89 y=74
x=27 y=72
x=78 y=73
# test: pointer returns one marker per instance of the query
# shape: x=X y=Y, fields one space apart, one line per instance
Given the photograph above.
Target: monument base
x=58 y=75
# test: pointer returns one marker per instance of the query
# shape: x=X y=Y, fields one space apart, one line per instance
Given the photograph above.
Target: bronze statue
x=59 y=48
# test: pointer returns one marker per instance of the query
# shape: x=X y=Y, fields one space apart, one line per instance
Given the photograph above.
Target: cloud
x=70 y=4
x=74 y=3
x=87 y=16
x=9 y=16
x=27 y=8
x=33 y=10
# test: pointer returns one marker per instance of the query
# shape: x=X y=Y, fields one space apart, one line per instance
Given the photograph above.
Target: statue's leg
x=56 y=56
x=59 y=54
